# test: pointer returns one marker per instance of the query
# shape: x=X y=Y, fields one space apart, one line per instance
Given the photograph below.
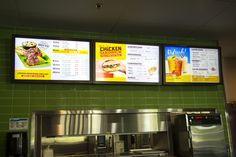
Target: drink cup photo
x=171 y=63
x=178 y=67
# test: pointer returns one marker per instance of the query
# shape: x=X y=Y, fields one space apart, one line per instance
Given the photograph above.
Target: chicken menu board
x=191 y=65
x=118 y=62
x=49 y=59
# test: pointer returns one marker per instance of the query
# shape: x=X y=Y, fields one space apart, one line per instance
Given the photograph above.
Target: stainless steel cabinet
x=200 y=136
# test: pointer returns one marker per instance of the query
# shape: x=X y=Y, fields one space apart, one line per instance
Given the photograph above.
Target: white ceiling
x=208 y=19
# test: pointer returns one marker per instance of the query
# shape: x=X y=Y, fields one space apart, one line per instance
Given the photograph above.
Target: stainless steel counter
x=113 y=155
x=79 y=131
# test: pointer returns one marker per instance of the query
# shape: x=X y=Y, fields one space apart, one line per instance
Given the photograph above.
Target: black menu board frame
x=35 y=37
x=158 y=69
x=165 y=82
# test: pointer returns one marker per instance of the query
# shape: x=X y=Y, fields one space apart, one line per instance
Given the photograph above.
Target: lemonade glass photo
x=171 y=63
x=175 y=65
x=178 y=67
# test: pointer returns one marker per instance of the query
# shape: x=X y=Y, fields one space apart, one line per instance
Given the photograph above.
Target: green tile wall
x=19 y=100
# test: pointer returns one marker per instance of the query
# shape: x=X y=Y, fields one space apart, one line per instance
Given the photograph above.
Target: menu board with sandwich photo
x=125 y=63
x=191 y=65
x=41 y=59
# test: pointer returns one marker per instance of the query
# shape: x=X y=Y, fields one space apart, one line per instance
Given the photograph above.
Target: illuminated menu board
x=126 y=63
x=51 y=59
x=191 y=65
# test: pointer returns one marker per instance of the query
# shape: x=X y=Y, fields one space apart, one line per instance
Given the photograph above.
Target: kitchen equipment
x=17 y=144
x=231 y=119
x=199 y=135
x=144 y=132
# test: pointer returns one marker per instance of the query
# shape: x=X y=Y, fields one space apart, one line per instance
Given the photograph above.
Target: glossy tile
x=21 y=99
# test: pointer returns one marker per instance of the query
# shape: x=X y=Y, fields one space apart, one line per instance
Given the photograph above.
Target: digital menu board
x=191 y=65
x=127 y=63
x=39 y=59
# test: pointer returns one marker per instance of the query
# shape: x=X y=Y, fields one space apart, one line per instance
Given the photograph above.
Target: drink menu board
x=125 y=63
x=191 y=65
x=51 y=59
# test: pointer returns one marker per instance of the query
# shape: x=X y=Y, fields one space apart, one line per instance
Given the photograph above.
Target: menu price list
x=142 y=63
x=205 y=65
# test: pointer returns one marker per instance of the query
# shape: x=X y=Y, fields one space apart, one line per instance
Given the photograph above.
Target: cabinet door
x=208 y=141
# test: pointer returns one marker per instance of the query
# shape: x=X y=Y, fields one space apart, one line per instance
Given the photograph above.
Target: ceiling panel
x=8 y=12
x=209 y=19
x=8 y=5
x=182 y=15
x=224 y=22
x=71 y=14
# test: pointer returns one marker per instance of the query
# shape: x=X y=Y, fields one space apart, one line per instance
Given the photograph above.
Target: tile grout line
x=45 y=95
x=12 y=99
x=29 y=100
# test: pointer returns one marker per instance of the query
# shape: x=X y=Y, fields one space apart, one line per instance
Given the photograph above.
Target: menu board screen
x=51 y=59
x=191 y=65
x=126 y=63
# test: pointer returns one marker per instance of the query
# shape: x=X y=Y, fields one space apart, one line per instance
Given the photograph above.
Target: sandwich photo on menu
x=110 y=62
x=31 y=55
x=32 y=60
x=111 y=65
